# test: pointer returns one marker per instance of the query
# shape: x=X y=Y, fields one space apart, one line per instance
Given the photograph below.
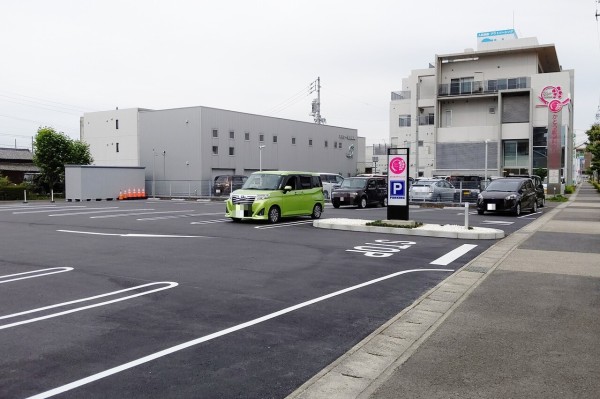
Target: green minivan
x=271 y=195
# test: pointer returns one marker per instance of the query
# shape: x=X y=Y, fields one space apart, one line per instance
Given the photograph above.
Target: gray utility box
x=96 y=183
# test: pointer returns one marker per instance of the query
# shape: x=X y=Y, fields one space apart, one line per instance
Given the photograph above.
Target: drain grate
x=477 y=269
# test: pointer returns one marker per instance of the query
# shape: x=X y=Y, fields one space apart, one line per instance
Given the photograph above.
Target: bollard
x=52 y=196
x=24 y=196
x=466 y=215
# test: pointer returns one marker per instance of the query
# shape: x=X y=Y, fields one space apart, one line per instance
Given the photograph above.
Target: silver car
x=431 y=190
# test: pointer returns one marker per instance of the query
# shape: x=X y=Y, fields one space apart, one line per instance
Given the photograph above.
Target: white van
x=330 y=181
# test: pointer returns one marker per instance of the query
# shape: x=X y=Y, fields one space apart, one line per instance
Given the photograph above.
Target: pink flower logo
x=551 y=97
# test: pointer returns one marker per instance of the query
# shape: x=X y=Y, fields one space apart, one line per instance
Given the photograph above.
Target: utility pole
x=316 y=103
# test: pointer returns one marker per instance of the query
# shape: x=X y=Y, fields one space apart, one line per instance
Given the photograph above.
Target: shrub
x=569 y=189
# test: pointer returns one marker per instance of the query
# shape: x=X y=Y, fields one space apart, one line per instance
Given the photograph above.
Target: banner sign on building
x=551 y=97
x=496 y=35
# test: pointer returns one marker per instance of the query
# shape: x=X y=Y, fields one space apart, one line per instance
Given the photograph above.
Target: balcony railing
x=400 y=95
x=483 y=87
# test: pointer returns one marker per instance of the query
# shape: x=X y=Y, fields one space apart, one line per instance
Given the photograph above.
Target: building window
x=231 y=134
x=247 y=136
x=274 y=138
x=448 y=118
x=231 y=150
x=117 y=147
x=516 y=153
x=117 y=125
x=310 y=142
x=404 y=121
x=326 y=143
x=215 y=133
x=293 y=141
x=261 y=137
x=215 y=150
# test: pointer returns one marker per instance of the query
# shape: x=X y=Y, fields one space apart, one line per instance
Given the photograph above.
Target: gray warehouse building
x=183 y=149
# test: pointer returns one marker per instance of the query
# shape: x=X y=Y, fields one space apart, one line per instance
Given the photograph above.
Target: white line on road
x=181 y=216
x=136 y=214
x=211 y=221
x=129 y=235
x=283 y=224
x=217 y=334
x=453 y=255
x=53 y=209
x=54 y=271
x=169 y=284
x=499 y=222
x=109 y=209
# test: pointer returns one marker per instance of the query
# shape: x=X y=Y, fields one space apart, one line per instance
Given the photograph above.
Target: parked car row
x=272 y=195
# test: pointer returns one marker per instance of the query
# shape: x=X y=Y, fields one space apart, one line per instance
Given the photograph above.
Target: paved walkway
x=522 y=320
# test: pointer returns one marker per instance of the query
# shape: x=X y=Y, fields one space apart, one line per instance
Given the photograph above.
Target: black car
x=539 y=188
x=508 y=194
x=225 y=184
x=360 y=191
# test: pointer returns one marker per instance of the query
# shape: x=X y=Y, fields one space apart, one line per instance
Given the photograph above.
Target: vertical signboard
x=398 y=184
x=552 y=98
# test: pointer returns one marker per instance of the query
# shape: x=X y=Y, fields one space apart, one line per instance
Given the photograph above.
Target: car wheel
x=236 y=220
x=274 y=214
x=317 y=210
x=336 y=203
x=534 y=207
x=542 y=203
x=518 y=209
x=480 y=212
x=384 y=202
x=362 y=203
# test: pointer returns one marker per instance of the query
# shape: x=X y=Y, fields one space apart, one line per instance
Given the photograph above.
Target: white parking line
x=136 y=214
x=170 y=284
x=181 y=216
x=129 y=235
x=211 y=221
x=54 y=271
x=498 y=222
x=283 y=224
x=109 y=209
x=7 y=208
x=53 y=209
x=185 y=345
x=453 y=255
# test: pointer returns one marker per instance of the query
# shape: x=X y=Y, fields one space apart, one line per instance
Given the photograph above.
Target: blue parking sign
x=397 y=189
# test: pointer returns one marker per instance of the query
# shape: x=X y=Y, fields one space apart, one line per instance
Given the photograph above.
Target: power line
x=289 y=101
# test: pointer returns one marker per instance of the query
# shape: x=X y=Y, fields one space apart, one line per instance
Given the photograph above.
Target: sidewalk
x=522 y=320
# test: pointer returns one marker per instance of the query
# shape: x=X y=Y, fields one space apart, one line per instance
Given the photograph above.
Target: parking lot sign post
x=398 y=163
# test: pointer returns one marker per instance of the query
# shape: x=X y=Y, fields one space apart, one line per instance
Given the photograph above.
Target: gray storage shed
x=90 y=182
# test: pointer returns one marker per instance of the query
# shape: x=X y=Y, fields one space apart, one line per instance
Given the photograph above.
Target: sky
x=62 y=58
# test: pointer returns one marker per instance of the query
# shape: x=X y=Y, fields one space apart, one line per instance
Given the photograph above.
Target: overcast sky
x=62 y=58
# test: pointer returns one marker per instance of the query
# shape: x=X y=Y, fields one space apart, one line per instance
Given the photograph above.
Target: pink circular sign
x=397 y=165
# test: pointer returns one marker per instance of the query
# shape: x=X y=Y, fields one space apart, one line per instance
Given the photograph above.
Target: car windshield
x=262 y=181
x=353 y=183
x=221 y=179
x=503 y=185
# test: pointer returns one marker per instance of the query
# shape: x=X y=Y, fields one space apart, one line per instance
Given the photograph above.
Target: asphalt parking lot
x=160 y=299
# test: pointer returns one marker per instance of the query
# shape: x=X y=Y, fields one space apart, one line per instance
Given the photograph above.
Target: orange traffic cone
x=138 y=193
x=143 y=193
x=120 y=195
x=129 y=194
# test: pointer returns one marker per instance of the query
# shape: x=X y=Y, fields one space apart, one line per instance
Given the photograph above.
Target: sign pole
x=398 y=183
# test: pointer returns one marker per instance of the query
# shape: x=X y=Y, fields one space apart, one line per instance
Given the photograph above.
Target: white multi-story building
x=183 y=149
x=492 y=111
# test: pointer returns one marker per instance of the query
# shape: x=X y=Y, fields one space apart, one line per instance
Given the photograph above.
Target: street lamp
x=260 y=148
x=153 y=174
x=164 y=153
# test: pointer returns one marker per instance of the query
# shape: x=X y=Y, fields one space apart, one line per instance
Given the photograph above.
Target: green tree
x=53 y=150
x=593 y=146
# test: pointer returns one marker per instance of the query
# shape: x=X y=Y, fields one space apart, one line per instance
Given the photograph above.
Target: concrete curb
x=476 y=233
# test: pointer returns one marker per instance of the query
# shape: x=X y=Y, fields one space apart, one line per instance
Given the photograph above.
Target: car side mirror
x=287 y=188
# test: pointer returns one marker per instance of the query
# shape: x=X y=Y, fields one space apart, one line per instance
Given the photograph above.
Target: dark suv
x=225 y=184
x=360 y=191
